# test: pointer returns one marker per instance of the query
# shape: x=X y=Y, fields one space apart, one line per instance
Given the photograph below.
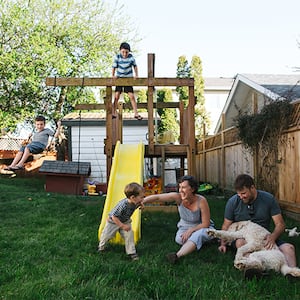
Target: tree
x=41 y=38
x=168 y=116
x=201 y=115
x=261 y=133
x=183 y=71
x=194 y=71
x=142 y=96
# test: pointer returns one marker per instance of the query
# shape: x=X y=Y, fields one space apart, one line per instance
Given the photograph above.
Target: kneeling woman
x=194 y=215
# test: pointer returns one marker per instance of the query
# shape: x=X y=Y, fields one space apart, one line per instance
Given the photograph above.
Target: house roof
x=217 y=83
x=66 y=167
x=99 y=119
x=286 y=86
x=266 y=85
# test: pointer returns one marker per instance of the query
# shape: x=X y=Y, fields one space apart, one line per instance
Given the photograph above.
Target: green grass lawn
x=48 y=248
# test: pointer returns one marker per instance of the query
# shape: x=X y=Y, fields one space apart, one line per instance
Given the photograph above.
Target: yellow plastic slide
x=127 y=166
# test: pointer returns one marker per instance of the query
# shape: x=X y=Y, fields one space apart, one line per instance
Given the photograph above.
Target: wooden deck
x=167 y=150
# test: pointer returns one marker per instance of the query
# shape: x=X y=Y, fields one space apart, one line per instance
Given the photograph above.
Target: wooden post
x=181 y=167
x=255 y=154
x=120 y=122
x=163 y=161
x=191 y=132
x=254 y=103
x=181 y=122
x=109 y=132
x=151 y=60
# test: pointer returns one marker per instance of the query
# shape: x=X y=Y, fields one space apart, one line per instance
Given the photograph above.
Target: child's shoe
x=134 y=256
x=101 y=249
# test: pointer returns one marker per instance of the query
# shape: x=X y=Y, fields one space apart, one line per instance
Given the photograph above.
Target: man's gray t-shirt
x=260 y=211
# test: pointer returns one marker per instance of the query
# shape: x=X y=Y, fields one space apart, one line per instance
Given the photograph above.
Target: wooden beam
x=150 y=103
x=191 y=129
x=109 y=132
x=98 y=106
x=155 y=105
x=170 y=150
x=97 y=81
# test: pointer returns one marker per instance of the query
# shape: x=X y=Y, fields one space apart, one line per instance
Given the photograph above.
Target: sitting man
x=259 y=207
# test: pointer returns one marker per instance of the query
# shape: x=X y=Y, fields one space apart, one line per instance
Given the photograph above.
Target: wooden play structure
x=187 y=143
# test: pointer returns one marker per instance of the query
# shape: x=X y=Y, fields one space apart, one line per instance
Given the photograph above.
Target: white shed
x=86 y=133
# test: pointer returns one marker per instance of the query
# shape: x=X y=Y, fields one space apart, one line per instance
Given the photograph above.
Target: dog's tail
x=285 y=269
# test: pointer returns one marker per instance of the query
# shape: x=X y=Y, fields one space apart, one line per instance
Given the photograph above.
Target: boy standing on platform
x=122 y=67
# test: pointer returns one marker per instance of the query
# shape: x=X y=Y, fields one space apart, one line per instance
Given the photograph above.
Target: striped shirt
x=124 y=65
x=123 y=210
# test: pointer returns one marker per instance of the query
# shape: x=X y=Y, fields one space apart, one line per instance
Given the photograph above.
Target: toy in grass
x=292 y=232
x=205 y=187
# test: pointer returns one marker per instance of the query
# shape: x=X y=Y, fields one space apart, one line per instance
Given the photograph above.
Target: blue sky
x=230 y=37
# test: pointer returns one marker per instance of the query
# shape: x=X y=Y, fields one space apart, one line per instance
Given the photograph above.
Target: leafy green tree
x=183 y=71
x=201 y=115
x=168 y=116
x=42 y=38
x=194 y=70
x=142 y=96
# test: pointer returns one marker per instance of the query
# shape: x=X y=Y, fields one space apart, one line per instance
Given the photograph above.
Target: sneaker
x=17 y=168
x=257 y=274
x=134 y=256
x=101 y=249
x=172 y=257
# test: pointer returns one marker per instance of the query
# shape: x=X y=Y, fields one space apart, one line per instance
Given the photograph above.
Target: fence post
x=223 y=158
x=204 y=154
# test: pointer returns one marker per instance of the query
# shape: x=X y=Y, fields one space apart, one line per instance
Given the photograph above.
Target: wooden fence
x=220 y=158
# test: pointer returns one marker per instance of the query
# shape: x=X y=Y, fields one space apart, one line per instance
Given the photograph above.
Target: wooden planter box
x=66 y=177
